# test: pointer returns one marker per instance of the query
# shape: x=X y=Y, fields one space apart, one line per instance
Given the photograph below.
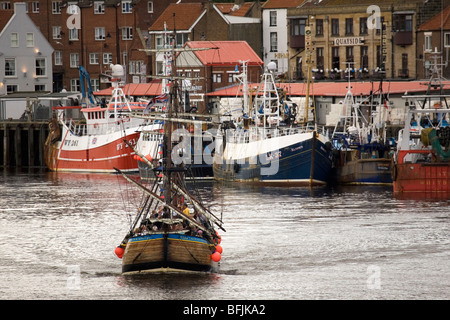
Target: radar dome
x=117 y=70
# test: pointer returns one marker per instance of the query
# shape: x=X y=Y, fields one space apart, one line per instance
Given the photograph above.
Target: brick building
x=215 y=68
x=94 y=34
x=434 y=36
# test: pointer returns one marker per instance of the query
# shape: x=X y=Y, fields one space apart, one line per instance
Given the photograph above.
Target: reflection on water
x=58 y=233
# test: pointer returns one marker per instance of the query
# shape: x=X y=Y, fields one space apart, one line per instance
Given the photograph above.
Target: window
x=348 y=26
x=126 y=6
x=99 y=33
x=380 y=62
x=334 y=27
x=319 y=27
x=73 y=8
x=14 y=40
x=273 y=42
x=95 y=84
x=99 y=7
x=335 y=59
x=107 y=58
x=364 y=63
x=231 y=77
x=30 y=40
x=56 y=32
x=349 y=55
x=136 y=67
x=41 y=70
x=298 y=27
x=35 y=6
x=73 y=34
x=447 y=39
x=363 y=30
x=217 y=77
x=94 y=58
x=10 y=67
x=127 y=33
x=39 y=87
x=75 y=85
x=10 y=88
x=427 y=41
x=273 y=18
x=181 y=39
x=383 y=27
x=74 y=60
x=403 y=22
x=150 y=7
x=58 y=58
x=319 y=58
x=4 y=5
x=56 y=7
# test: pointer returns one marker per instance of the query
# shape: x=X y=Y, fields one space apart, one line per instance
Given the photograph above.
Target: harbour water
x=58 y=233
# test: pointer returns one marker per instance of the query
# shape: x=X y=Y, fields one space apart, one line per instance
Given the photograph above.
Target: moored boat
x=422 y=160
x=361 y=152
x=271 y=144
x=95 y=143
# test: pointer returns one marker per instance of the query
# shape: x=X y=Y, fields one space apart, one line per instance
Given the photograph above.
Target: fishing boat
x=173 y=231
x=422 y=160
x=96 y=142
x=361 y=151
x=269 y=143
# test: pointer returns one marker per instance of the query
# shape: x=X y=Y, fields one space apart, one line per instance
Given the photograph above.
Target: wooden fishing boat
x=172 y=230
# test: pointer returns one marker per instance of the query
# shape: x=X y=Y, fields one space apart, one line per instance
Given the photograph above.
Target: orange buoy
x=216 y=256
x=219 y=249
x=119 y=251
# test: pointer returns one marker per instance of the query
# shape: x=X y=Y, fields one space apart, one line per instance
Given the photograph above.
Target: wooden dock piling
x=22 y=143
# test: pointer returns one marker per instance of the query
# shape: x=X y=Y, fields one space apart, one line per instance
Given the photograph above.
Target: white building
x=25 y=54
x=275 y=32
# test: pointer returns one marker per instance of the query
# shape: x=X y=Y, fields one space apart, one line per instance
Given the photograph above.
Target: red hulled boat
x=97 y=142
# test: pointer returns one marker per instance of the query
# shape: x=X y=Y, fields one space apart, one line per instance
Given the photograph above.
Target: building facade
x=360 y=39
x=275 y=32
x=433 y=46
x=25 y=53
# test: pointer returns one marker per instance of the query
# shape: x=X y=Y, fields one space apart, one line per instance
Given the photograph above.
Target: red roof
x=5 y=16
x=234 y=10
x=185 y=16
x=281 y=4
x=442 y=19
x=135 y=89
x=337 y=89
x=225 y=52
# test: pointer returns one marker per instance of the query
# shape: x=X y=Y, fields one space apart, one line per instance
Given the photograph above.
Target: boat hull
x=91 y=153
x=167 y=251
x=306 y=161
x=365 y=171
x=420 y=178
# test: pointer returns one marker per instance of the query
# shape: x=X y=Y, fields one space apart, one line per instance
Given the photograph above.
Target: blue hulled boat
x=275 y=145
